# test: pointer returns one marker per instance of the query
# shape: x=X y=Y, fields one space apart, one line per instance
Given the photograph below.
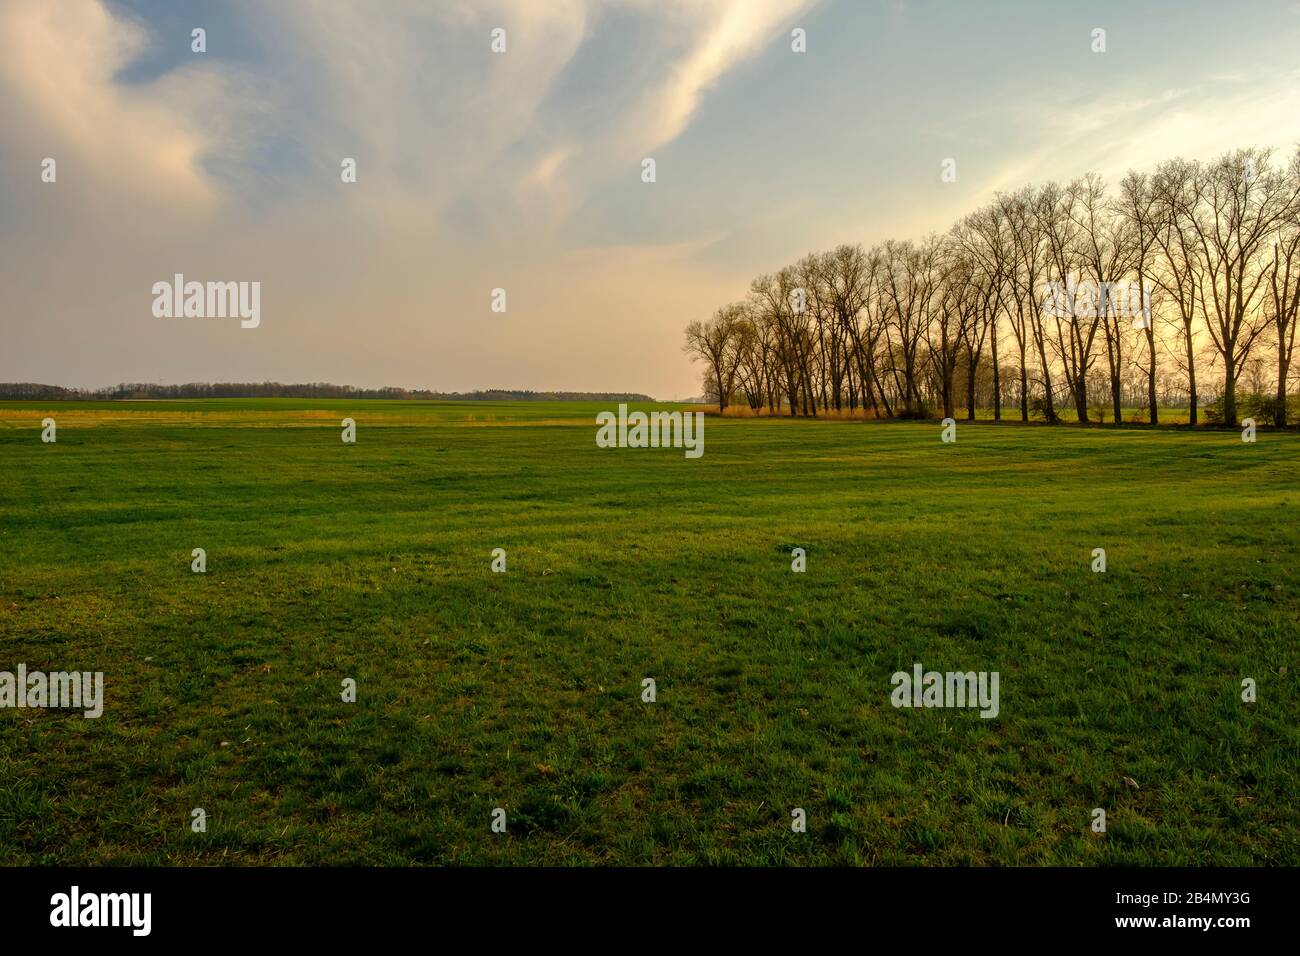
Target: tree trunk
x=1230 y=387
x=1024 y=387
x=1047 y=381
x=970 y=388
x=1151 y=374
x=1279 y=415
x=997 y=379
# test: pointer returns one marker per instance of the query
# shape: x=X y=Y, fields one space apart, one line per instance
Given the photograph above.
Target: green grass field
x=522 y=690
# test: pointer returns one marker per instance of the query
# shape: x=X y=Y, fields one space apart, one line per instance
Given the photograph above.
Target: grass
x=523 y=690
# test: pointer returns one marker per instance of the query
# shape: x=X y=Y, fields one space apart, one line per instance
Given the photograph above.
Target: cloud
x=727 y=34
x=413 y=95
x=418 y=81
x=1140 y=130
x=519 y=170
x=226 y=166
x=136 y=147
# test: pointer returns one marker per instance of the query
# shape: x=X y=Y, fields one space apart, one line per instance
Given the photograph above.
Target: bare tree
x=715 y=342
x=1243 y=199
x=910 y=280
x=987 y=238
x=1104 y=250
x=850 y=276
x=1026 y=266
x=1057 y=211
x=1284 y=293
x=1137 y=204
x=1197 y=254
x=956 y=302
x=1178 y=272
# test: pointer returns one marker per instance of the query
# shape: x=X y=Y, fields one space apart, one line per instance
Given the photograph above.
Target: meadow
x=523 y=690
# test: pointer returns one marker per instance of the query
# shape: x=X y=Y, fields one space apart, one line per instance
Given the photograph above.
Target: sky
x=522 y=170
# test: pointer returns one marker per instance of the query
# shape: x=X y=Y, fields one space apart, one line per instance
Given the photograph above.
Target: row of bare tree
x=1038 y=299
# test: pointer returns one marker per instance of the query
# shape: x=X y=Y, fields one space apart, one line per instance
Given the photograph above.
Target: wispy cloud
x=141 y=146
x=1140 y=130
x=522 y=170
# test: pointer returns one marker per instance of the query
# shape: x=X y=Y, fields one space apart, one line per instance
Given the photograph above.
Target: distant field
x=522 y=690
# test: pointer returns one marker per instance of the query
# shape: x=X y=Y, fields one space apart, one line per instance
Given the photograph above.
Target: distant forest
x=29 y=391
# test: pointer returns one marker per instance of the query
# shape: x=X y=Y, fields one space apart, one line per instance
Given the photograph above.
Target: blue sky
x=521 y=170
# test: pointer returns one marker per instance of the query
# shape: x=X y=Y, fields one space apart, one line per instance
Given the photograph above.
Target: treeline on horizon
x=1021 y=306
x=28 y=391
